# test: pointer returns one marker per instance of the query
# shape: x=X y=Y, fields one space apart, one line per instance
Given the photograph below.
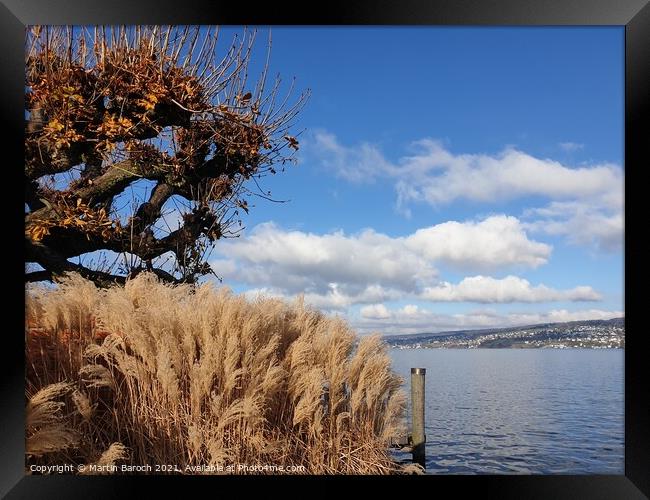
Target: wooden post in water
x=417 y=415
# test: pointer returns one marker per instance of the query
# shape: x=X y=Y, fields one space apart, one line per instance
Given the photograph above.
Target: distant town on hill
x=595 y=334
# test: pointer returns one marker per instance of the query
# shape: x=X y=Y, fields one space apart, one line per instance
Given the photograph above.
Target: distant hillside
x=593 y=333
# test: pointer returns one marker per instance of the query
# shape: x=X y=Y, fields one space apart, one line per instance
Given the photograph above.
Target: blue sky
x=448 y=178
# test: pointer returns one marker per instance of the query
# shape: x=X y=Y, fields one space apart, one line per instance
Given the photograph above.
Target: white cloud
x=335 y=298
x=513 y=174
x=300 y=261
x=416 y=320
x=335 y=271
x=369 y=267
x=375 y=311
x=485 y=289
x=434 y=175
x=331 y=300
x=571 y=146
x=224 y=267
x=558 y=316
x=494 y=242
x=410 y=309
x=362 y=164
x=580 y=223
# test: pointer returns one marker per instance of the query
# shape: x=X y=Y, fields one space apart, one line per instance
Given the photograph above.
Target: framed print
x=383 y=242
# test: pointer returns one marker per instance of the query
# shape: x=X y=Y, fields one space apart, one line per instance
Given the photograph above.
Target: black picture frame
x=634 y=15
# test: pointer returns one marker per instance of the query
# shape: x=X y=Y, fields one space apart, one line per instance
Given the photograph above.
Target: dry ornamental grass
x=197 y=377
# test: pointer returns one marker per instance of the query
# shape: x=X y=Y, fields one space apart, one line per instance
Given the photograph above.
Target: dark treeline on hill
x=592 y=333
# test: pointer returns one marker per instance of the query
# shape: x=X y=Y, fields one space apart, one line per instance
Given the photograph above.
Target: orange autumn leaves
x=109 y=106
x=93 y=222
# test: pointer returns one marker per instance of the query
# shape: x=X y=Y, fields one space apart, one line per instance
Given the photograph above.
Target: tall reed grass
x=154 y=374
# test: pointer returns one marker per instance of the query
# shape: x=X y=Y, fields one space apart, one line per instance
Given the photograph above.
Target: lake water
x=520 y=411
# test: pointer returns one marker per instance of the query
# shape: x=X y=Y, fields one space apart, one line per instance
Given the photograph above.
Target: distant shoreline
x=591 y=334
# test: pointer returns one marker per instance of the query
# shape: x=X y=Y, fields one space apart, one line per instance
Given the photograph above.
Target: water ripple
x=506 y=411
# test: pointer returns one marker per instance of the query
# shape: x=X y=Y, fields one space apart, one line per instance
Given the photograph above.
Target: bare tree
x=108 y=108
